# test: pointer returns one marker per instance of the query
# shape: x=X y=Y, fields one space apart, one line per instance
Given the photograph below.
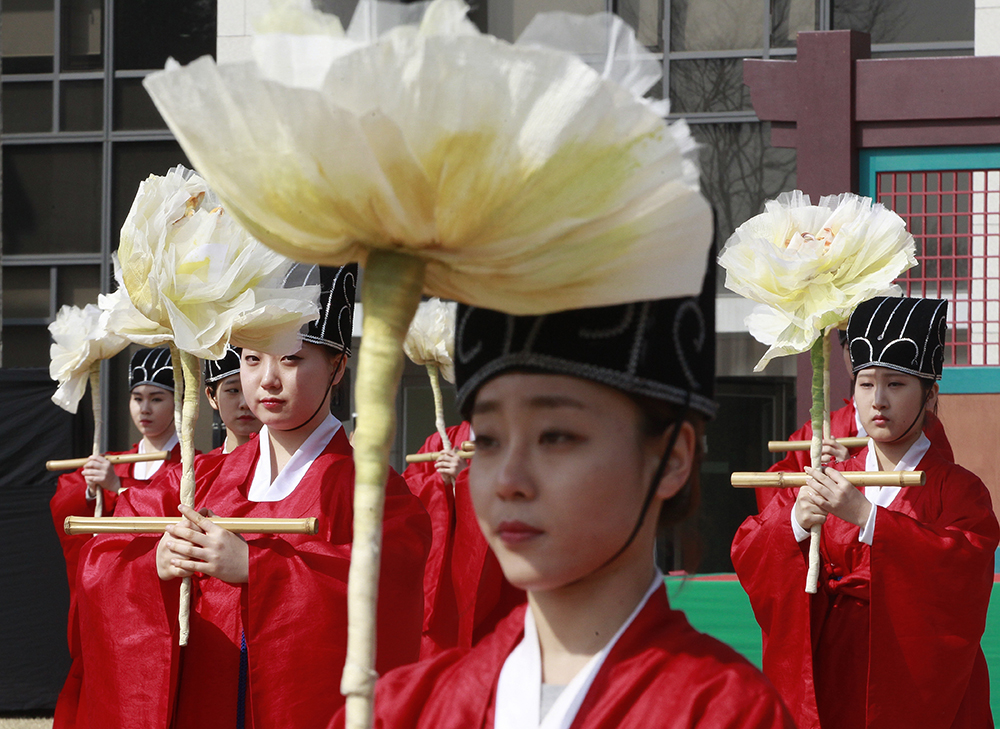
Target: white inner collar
x=144 y=470
x=519 y=688
x=263 y=488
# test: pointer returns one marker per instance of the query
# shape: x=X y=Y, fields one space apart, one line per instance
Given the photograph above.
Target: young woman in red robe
x=892 y=637
x=268 y=624
x=151 y=405
x=588 y=428
x=225 y=395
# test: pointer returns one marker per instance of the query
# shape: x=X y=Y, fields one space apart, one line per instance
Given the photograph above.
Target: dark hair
x=925 y=385
x=656 y=417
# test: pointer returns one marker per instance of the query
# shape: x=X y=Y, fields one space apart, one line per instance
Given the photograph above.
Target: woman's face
x=233 y=408
x=285 y=391
x=559 y=476
x=889 y=402
x=152 y=410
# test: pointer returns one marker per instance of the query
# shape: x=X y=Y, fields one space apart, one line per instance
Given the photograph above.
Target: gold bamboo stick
x=469 y=445
x=752 y=480
x=782 y=446
x=72 y=464
x=157 y=525
x=434 y=455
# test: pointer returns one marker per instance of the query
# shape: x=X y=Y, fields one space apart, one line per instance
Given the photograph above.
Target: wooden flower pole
x=819 y=412
x=390 y=295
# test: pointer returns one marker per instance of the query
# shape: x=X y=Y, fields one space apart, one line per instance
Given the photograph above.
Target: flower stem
x=189 y=416
x=95 y=403
x=819 y=359
x=432 y=373
x=391 y=292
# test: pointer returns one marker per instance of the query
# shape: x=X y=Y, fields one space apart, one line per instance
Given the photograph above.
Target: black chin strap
x=923 y=406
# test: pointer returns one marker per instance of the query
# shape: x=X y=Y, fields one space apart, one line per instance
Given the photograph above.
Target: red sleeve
x=931 y=582
x=772 y=567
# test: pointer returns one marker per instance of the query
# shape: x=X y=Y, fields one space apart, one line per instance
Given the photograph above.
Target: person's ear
x=681 y=461
x=211 y=398
x=339 y=367
x=932 y=397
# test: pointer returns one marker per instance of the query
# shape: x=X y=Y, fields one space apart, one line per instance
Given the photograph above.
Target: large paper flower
x=809 y=266
x=431 y=337
x=525 y=180
x=449 y=163
x=81 y=338
x=199 y=279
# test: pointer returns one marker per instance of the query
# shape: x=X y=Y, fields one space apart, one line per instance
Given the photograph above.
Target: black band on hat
x=336 y=303
x=219 y=369
x=661 y=349
x=903 y=334
x=151 y=367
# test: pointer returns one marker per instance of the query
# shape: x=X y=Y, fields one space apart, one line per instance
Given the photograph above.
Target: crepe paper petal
x=431 y=337
x=81 y=337
x=194 y=276
x=811 y=265
x=524 y=180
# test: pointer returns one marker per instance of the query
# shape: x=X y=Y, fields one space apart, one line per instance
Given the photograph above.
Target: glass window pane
x=82 y=107
x=147 y=32
x=133 y=109
x=52 y=198
x=26 y=346
x=906 y=21
x=645 y=17
x=711 y=84
x=27 y=107
x=28 y=35
x=78 y=285
x=83 y=35
x=788 y=18
x=132 y=163
x=25 y=292
x=740 y=170
x=716 y=25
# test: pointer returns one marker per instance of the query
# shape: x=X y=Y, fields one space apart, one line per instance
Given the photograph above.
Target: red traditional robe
x=465 y=592
x=292 y=611
x=892 y=638
x=70 y=500
x=844 y=424
x=660 y=673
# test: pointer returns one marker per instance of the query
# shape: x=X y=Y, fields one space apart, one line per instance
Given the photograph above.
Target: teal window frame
x=956 y=380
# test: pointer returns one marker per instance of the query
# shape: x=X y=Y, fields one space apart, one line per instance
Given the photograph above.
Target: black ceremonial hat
x=902 y=334
x=151 y=367
x=662 y=349
x=220 y=369
x=336 y=303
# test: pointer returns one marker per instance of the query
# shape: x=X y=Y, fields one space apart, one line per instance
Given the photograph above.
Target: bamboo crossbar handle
x=72 y=464
x=782 y=446
x=157 y=525
x=752 y=480
x=469 y=445
x=434 y=455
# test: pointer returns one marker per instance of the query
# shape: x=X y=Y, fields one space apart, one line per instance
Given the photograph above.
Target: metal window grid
x=954 y=216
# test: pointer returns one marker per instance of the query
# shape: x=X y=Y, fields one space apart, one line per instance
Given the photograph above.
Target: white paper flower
x=809 y=266
x=196 y=277
x=431 y=337
x=525 y=179
x=80 y=339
